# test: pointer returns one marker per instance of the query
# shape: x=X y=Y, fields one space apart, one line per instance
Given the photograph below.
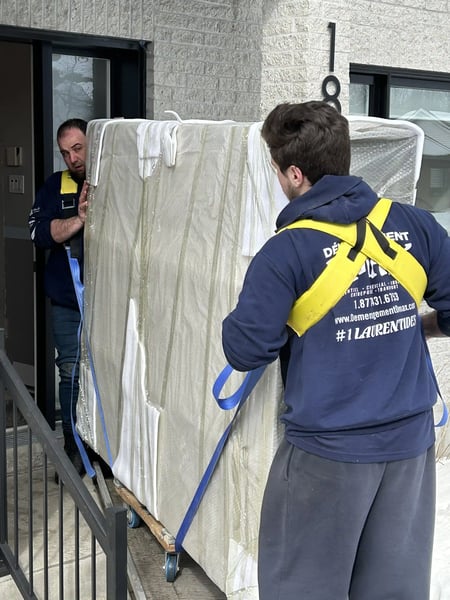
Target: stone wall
x=236 y=59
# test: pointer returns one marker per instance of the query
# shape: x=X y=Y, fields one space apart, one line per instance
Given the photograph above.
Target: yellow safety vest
x=68 y=194
x=360 y=241
x=68 y=185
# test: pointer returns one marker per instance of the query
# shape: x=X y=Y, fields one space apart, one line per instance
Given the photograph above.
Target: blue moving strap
x=444 y=417
x=79 y=292
x=237 y=399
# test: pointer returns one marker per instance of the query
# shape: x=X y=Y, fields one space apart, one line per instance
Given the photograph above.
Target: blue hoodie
x=357 y=384
x=58 y=278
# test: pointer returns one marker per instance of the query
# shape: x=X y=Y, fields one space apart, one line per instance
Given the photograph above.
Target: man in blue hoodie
x=348 y=509
x=56 y=221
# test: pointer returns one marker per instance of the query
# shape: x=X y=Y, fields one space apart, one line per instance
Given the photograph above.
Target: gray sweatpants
x=337 y=531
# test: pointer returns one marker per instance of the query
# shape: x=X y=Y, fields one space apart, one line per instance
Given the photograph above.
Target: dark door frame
x=128 y=60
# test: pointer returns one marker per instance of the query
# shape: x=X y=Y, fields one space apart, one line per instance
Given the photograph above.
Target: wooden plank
x=161 y=534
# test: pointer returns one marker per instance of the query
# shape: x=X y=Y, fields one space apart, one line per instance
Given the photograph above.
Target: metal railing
x=55 y=541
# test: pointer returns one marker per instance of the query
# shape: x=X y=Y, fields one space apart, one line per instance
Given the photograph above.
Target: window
x=80 y=89
x=424 y=99
x=359 y=99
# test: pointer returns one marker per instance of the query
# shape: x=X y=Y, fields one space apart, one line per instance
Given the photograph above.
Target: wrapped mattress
x=177 y=210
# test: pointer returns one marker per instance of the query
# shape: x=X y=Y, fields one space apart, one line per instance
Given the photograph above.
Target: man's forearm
x=63 y=229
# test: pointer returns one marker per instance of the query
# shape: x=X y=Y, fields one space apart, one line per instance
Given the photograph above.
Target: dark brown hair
x=312 y=136
x=80 y=124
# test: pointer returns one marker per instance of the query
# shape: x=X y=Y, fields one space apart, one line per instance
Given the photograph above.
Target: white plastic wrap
x=176 y=211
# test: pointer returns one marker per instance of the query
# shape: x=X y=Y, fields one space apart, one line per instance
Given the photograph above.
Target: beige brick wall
x=208 y=58
x=408 y=34
x=236 y=59
x=296 y=50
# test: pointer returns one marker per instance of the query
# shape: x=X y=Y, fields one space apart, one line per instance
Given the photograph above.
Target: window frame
x=382 y=79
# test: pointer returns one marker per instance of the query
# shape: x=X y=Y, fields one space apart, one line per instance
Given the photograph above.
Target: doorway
x=51 y=76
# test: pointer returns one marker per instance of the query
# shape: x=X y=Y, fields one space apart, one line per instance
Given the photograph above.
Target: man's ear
x=296 y=173
x=298 y=180
x=295 y=176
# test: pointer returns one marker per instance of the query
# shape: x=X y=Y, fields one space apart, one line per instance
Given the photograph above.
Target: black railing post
x=116 y=579
x=108 y=530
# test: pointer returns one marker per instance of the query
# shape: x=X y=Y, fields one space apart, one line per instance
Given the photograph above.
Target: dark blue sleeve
x=437 y=293
x=255 y=331
x=46 y=207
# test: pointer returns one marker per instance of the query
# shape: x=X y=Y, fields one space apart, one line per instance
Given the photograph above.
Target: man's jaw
x=78 y=172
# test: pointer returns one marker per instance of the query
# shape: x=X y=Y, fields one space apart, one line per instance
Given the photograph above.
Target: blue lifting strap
x=237 y=399
x=444 y=418
x=79 y=292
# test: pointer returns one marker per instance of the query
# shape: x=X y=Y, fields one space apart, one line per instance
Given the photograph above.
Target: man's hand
x=430 y=325
x=83 y=202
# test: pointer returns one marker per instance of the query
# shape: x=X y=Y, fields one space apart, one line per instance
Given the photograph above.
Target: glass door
x=80 y=89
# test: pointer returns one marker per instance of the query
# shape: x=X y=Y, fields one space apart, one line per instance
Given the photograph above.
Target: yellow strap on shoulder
x=341 y=270
x=68 y=185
